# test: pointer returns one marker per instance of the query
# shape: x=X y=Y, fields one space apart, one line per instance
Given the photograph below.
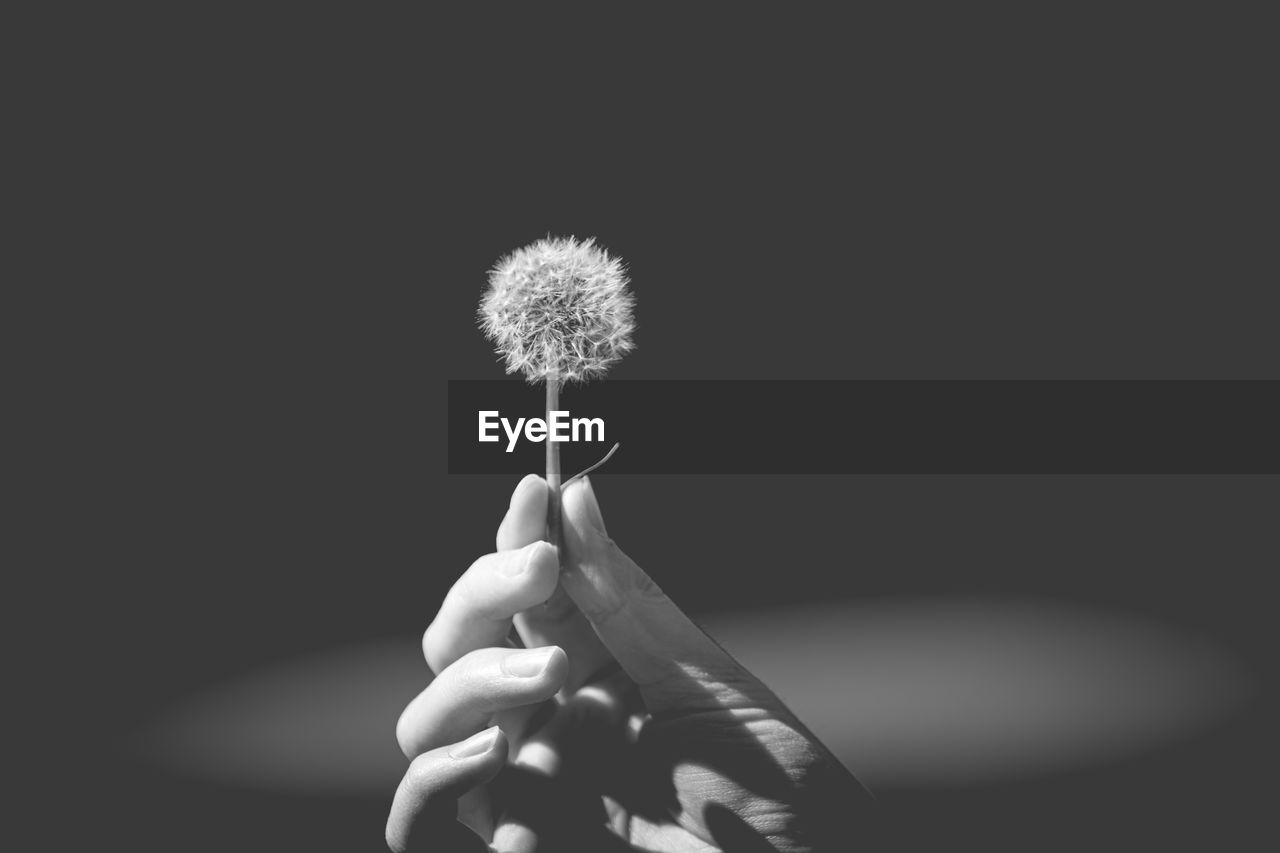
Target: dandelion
x=558 y=311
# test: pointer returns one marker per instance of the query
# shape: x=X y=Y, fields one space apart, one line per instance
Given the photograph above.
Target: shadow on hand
x=564 y=814
x=716 y=763
x=732 y=833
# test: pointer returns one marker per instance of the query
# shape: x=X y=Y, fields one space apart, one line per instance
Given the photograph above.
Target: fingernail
x=528 y=664
x=476 y=744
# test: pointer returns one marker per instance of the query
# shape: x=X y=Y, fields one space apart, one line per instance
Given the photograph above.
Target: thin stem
x=554 y=531
x=585 y=471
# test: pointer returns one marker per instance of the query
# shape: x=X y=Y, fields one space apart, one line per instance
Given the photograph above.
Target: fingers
x=526 y=518
x=478 y=609
x=654 y=641
x=468 y=693
x=424 y=811
x=556 y=620
x=582 y=731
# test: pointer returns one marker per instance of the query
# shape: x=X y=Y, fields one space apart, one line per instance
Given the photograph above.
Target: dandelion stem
x=554 y=531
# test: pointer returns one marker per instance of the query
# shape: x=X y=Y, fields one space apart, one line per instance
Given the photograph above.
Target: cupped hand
x=620 y=726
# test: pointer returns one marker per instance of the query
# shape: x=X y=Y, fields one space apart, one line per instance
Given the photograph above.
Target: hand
x=622 y=727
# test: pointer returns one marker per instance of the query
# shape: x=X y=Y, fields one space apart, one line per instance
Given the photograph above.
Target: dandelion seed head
x=559 y=308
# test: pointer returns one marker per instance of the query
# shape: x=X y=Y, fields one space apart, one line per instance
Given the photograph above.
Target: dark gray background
x=285 y=248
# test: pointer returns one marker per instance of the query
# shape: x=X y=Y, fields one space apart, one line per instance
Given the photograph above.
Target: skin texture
x=620 y=726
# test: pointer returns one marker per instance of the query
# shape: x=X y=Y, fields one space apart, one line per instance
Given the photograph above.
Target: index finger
x=557 y=621
x=526 y=518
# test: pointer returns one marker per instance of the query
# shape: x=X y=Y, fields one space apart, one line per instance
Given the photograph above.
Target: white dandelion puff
x=559 y=310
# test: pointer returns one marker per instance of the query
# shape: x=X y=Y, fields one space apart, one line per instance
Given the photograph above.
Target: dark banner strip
x=834 y=427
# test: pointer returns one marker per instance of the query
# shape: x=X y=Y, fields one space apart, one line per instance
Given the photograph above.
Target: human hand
x=622 y=727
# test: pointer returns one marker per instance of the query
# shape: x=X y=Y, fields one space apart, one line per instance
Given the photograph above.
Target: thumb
x=658 y=646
